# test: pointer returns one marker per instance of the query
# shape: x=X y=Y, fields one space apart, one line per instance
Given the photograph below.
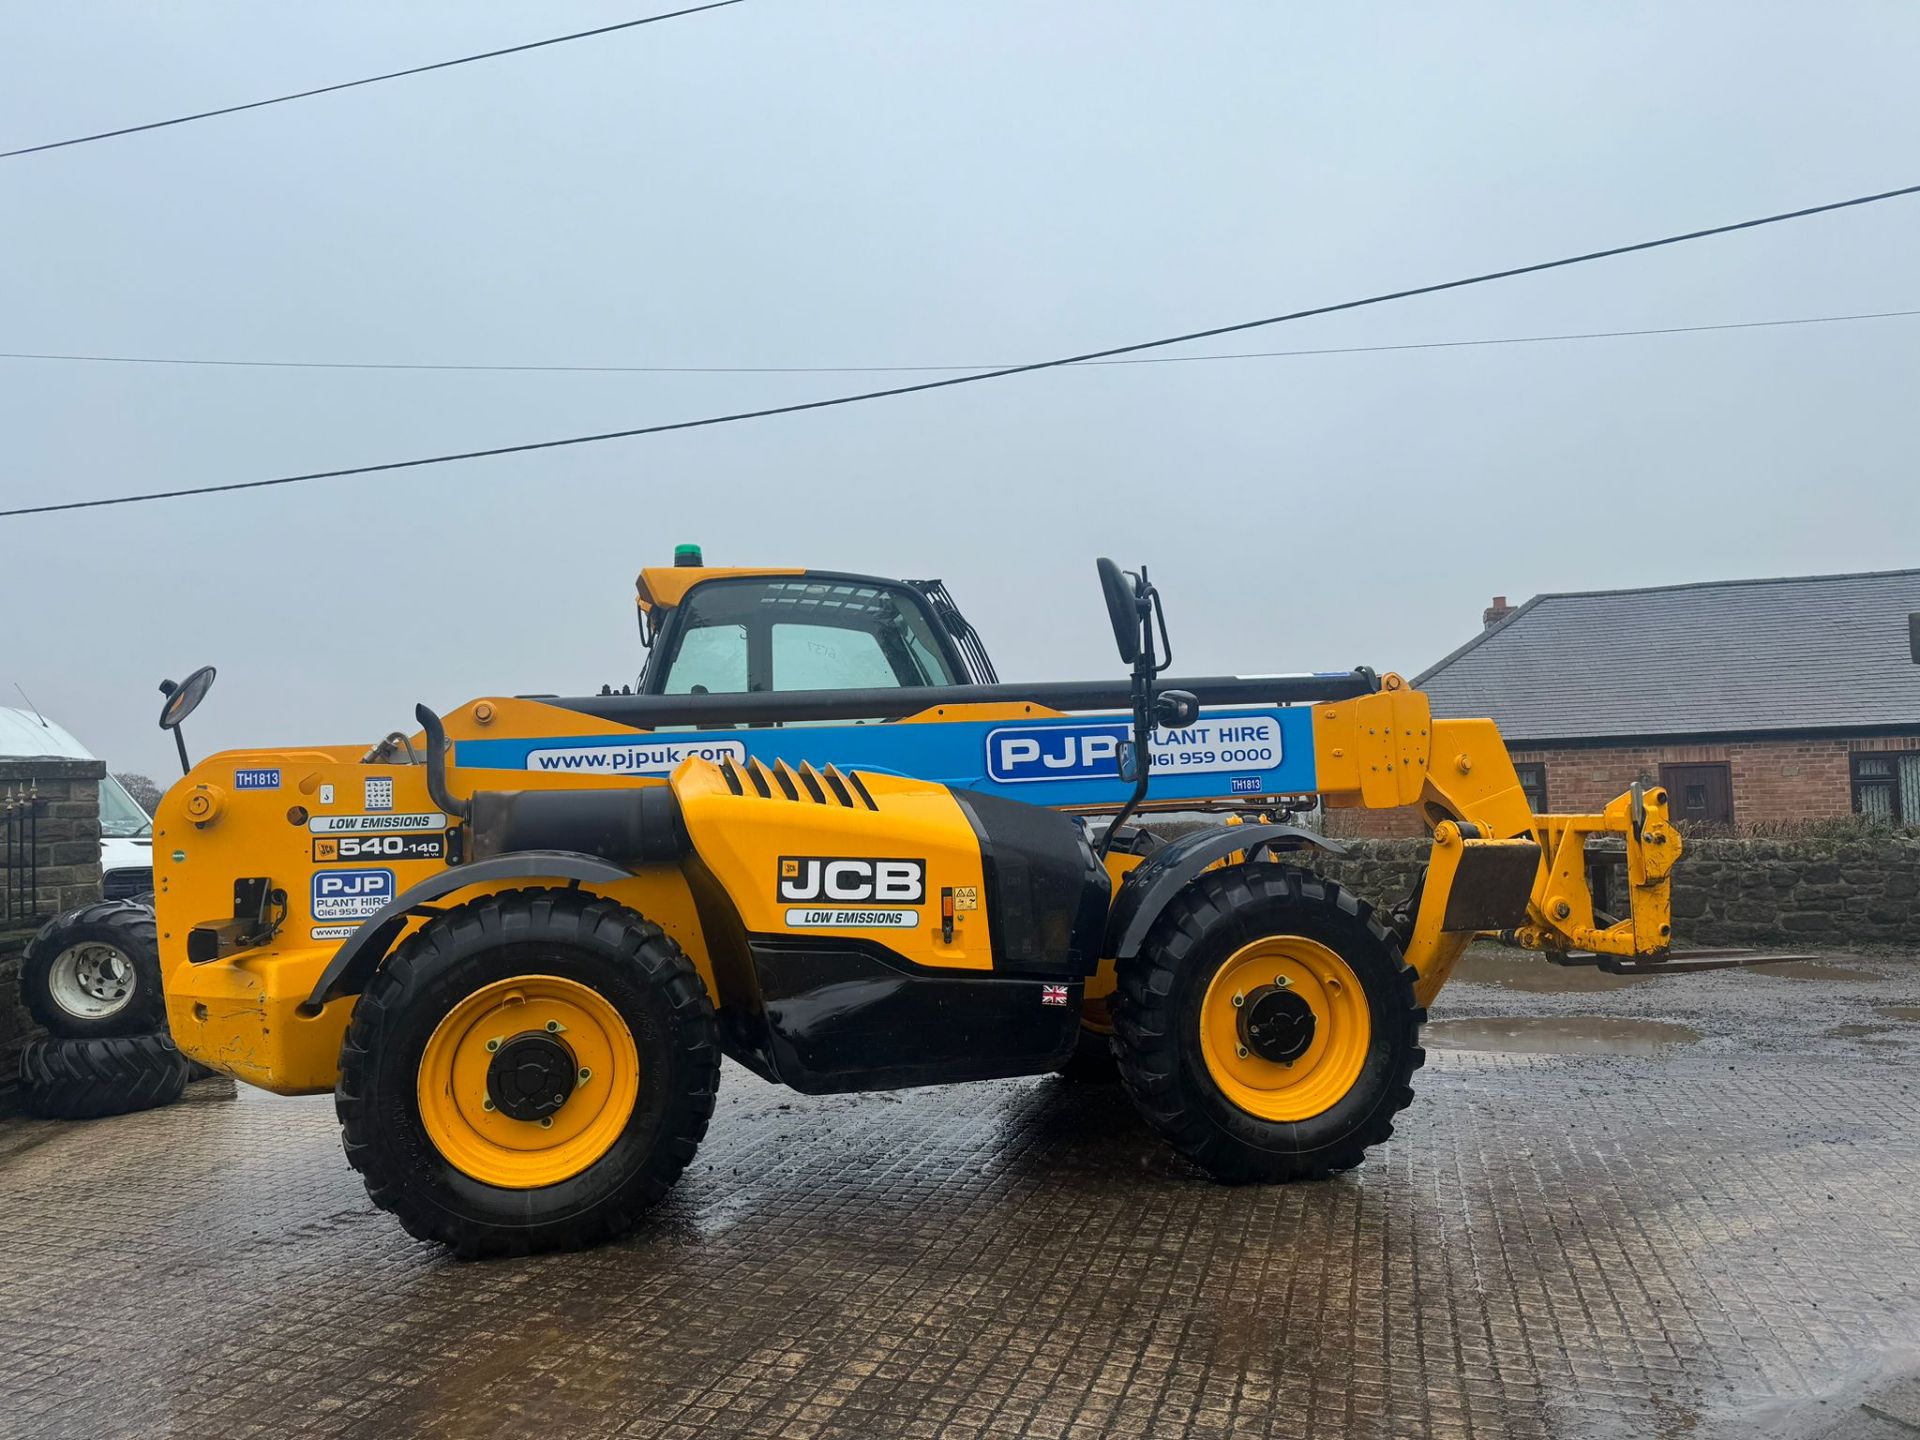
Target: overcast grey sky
x=794 y=182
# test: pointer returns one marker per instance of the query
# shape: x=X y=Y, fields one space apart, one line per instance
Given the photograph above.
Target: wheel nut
x=546 y=1122
x=553 y=1027
x=486 y=1105
x=1281 y=981
x=585 y=1074
x=1241 y=1051
x=494 y=1044
x=1238 y=998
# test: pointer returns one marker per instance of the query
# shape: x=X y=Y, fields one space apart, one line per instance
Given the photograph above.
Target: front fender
x=1150 y=885
x=361 y=953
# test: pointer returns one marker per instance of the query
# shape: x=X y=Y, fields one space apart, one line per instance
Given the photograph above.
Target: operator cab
x=720 y=631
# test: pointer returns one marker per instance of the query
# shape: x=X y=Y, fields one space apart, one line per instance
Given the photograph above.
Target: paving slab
x=1703 y=1237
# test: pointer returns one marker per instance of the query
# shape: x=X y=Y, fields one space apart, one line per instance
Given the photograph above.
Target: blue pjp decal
x=350 y=894
x=1018 y=754
x=1044 y=761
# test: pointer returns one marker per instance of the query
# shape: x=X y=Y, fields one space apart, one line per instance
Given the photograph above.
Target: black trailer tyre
x=529 y=1071
x=87 y=1079
x=95 y=972
x=1267 y=1028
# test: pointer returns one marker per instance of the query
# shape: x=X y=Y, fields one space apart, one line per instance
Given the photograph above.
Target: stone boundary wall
x=68 y=851
x=1815 y=891
x=68 y=827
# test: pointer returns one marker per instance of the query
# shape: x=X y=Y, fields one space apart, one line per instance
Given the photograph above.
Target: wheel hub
x=91 y=980
x=1276 y=1024
x=531 y=1076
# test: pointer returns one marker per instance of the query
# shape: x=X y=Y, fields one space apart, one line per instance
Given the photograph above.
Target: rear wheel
x=1267 y=1028
x=530 y=1071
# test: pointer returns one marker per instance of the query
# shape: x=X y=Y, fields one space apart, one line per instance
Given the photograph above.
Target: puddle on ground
x=1899 y=1012
x=1558 y=1035
x=1537 y=976
x=1813 y=970
x=1854 y=1032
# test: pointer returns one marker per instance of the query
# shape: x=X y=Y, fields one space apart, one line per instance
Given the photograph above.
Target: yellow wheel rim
x=492 y=1147
x=1331 y=1061
x=1096 y=1016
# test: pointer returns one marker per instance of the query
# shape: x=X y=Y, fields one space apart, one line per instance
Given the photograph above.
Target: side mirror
x=1123 y=608
x=1126 y=759
x=182 y=700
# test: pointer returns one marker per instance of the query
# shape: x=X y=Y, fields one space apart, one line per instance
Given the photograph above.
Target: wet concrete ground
x=1585 y=1228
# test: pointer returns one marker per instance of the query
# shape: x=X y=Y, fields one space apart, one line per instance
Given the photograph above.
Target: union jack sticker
x=1053 y=994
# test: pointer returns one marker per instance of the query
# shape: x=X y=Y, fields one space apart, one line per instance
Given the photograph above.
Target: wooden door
x=1701 y=793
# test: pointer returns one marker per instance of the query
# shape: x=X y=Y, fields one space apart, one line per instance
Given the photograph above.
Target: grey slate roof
x=1817 y=652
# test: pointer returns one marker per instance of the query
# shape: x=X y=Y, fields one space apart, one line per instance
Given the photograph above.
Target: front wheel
x=1267 y=1028
x=530 y=1071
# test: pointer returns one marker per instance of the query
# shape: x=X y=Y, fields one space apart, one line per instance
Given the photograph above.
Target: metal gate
x=20 y=900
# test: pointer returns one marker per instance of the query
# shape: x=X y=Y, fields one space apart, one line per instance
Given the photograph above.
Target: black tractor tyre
x=95 y=972
x=88 y=1079
x=1157 y=1024
x=578 y=937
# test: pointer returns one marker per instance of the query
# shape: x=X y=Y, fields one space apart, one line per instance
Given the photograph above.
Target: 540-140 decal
x=380 y=847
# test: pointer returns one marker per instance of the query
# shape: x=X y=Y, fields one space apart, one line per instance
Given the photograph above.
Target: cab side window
x=711 y=660
x=735 y=636
x=829 y=657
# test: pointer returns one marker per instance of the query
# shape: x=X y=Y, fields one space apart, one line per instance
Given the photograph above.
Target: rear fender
x=360 y=954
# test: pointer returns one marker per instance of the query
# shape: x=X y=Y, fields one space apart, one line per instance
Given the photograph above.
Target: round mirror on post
x=1122 y=608
x=184 y=698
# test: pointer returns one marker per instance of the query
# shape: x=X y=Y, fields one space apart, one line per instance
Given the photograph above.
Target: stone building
x=1754 y=702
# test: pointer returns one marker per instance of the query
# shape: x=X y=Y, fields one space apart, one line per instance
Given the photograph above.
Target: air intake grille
x=781 y=781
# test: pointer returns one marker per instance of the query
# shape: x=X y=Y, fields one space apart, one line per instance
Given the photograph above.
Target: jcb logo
x=840 y=880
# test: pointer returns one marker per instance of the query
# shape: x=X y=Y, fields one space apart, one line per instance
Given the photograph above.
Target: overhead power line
x=1385 y=297
x=369 y=80
x=943 y=369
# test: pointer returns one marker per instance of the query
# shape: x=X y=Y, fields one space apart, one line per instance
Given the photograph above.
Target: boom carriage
x=517 y=971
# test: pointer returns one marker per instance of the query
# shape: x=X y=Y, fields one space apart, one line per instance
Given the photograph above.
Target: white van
x=126 y=831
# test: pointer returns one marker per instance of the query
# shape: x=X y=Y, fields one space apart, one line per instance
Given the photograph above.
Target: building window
x=1886 y=785
x=1533 y=784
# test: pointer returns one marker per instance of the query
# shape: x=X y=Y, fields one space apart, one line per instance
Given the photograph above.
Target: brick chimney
x=1496 y=612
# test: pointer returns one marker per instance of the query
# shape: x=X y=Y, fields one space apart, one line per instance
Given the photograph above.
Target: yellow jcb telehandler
x=516 y=942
